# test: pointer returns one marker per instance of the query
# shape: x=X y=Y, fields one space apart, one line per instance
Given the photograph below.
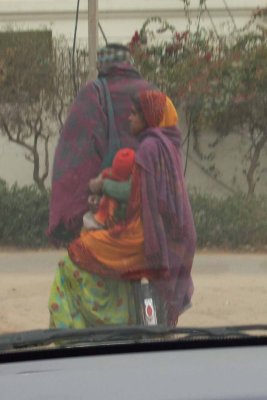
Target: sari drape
x=159 y=239
x=82 y=146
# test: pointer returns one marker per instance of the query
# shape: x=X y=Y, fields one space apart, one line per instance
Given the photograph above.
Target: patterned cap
x=113 y=54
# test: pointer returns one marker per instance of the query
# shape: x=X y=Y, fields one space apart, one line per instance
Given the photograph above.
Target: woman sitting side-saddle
x=94 y=283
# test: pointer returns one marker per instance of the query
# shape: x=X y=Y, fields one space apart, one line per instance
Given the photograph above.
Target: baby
x=111 y=213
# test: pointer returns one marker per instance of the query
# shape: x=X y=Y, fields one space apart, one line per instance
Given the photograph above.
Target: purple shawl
x=169 y=231
x=82 y=146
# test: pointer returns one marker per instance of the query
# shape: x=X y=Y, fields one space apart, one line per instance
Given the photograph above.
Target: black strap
x=114 y=143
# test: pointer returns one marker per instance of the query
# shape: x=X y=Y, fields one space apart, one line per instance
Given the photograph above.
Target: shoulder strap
x=114 y=143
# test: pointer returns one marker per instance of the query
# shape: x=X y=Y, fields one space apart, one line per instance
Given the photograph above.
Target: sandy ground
x=229 y=289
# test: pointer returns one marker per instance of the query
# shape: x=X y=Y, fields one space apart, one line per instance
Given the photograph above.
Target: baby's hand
x=93 y=201
x=96 y=184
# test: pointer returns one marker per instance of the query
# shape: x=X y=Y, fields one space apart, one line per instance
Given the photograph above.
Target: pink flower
x=76 y=274
x=208 y=56
x=55 y=307
x=135 y=40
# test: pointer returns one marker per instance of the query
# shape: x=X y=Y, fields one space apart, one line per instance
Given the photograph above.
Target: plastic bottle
x=149 y=309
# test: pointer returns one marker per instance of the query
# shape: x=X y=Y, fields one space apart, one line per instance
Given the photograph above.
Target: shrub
x=23 y=216
x=232 y=223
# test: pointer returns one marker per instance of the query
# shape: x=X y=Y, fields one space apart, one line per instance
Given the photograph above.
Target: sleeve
x=117 y=190
x=134 y=204
x=78 y=158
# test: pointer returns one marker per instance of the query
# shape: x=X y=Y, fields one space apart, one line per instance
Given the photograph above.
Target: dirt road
x=229 y=289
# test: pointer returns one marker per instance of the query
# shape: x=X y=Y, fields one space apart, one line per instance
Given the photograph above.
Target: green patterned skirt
x=79 y=299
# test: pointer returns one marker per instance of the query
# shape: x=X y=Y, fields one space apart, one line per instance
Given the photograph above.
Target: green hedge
x=229 y=223
x=23 y=216
x=234 y=222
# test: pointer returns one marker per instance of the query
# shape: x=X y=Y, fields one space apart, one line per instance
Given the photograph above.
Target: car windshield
x=133 y=170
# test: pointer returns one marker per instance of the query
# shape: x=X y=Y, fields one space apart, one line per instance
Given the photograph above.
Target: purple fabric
x=83 y=144
x=169 y=231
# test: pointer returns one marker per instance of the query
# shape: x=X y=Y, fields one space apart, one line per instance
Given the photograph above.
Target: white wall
x=120 y=18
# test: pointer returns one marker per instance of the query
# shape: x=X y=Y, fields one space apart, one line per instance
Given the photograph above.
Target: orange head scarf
x=158 y=109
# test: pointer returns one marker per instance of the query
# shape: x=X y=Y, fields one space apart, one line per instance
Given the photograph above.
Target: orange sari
x=107 y=254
